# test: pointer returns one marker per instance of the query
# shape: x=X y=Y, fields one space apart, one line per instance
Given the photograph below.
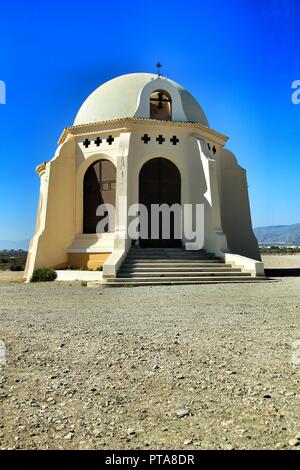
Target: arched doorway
x=160 y=183
x=99 y=187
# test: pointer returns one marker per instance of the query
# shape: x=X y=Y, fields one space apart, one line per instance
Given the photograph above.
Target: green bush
x=84 y=284
x=43 y=275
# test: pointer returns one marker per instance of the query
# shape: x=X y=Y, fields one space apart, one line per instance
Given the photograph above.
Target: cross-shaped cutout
x=214 y=149
x=86 y=143
x=110 y=140
x=160 y=139
x=98 y=141
x=146 y=138
x=174 y=140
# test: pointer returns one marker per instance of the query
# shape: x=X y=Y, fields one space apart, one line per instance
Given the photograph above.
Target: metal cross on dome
x=158 y=66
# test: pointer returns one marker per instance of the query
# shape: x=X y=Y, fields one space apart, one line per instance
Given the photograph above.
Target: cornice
x=40 y=169
x=130 y=124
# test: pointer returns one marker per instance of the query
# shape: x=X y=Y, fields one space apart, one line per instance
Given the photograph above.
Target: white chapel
x=143 y=139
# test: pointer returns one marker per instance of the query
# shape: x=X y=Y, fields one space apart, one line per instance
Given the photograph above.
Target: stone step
x=148 y=252
x=165 y=263
x=165 y=250
x=158 y=261
x=171 y=258
x=181 y=269
x=169 y=266
x=172 y=281
x=180 y=276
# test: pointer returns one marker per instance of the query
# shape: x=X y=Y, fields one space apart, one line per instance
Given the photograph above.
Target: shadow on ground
x=282 y=272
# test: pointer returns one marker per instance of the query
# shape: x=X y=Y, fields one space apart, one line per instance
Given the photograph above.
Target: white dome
x=128 y=96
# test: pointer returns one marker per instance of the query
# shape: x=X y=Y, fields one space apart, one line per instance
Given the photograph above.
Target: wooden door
x=160 y=183
x=99 y=187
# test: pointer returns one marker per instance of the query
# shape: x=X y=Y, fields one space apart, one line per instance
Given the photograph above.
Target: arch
x=99 y=187
x=160 y=183
x=160 y=105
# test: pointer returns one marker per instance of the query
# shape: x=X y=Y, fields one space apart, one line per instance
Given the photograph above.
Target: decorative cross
x=158 y=66
x=110 y=140
x=174 y=140
x=208 y=145
x=146 y=139
x=98 y=141
x=86 y=143
x=214 y=150
x=160 y=139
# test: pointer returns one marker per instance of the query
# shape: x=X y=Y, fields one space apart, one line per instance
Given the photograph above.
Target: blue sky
x=238 y=58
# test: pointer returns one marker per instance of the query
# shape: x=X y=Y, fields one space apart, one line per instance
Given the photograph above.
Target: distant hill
x=14 y=245
x=278 y=235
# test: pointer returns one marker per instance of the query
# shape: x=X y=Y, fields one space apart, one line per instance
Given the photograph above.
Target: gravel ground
x=194 y=367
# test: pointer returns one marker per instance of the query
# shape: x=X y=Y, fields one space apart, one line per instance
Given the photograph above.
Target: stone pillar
x=121 y=242
x=217 y=241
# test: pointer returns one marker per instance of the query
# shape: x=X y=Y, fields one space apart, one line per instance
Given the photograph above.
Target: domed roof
x=128 y=96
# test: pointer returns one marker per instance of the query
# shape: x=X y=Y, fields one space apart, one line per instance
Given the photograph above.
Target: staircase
x=157 y=266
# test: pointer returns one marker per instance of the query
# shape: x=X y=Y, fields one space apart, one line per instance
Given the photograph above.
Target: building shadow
x=282 y=272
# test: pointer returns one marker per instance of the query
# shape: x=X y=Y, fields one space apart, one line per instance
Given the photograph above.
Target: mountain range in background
x=282 y=235
x=272 y=235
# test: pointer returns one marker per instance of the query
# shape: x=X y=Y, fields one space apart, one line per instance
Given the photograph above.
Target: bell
x=160 y=98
